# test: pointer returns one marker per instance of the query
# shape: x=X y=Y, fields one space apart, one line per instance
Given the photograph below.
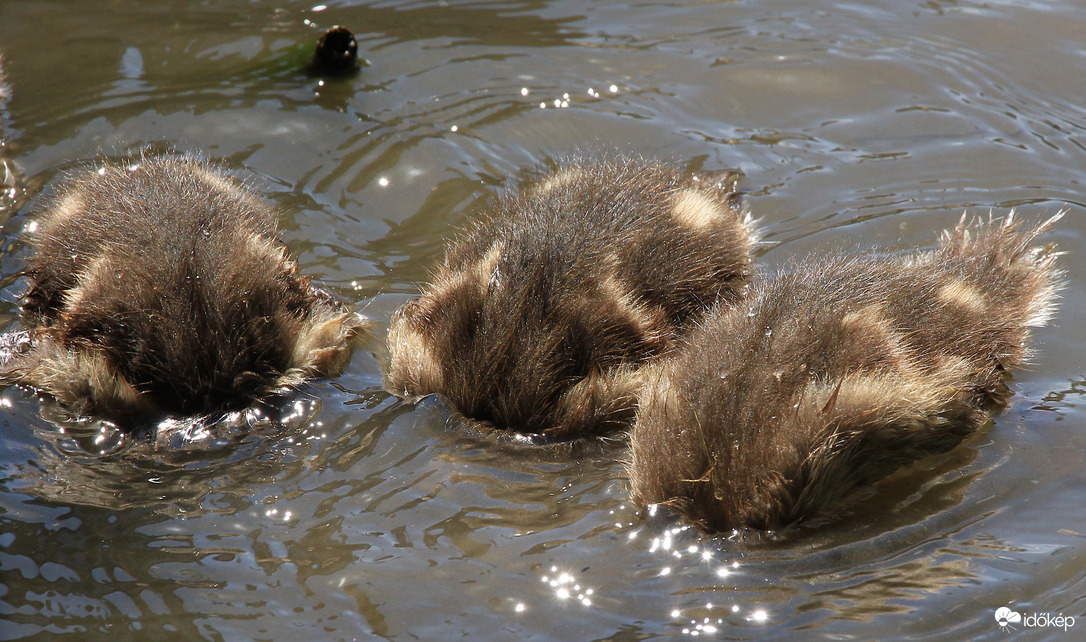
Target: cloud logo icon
x=1006 y=617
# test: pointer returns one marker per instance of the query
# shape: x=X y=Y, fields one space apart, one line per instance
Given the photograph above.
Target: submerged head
x=834 y=376
x=161 y=286
x=545 y=308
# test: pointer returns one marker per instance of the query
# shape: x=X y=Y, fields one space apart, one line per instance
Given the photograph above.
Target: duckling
x=546 y=306
x=161 y=286
x=835 y=375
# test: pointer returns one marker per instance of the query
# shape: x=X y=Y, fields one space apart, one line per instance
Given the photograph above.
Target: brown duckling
x=547 y=305
x=161 y=286
x=831 y=377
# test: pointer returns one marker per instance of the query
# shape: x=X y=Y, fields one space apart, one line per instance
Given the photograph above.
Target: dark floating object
x=162 y=286
x=547 y=306
x=337 y=51
x=830 y=378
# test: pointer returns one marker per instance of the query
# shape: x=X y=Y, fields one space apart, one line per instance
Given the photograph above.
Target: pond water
x=347 y=513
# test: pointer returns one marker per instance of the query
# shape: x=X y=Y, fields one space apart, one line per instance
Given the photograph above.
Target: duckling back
x=162 y=286
x=833 y=376
x=544 y=309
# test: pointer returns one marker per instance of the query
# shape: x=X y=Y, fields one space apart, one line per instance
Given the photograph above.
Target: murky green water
x=359 y=515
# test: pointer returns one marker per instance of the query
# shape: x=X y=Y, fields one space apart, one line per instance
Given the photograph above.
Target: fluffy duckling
x=835 y=375
x=545 y=307
x=162 y=286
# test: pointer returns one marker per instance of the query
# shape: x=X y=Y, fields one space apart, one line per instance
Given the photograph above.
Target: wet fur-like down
x=546 y=306
x=836 y=374
x=161 y=286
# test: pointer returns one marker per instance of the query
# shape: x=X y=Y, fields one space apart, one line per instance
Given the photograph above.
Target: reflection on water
x=92 y=462
x=345 y=512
